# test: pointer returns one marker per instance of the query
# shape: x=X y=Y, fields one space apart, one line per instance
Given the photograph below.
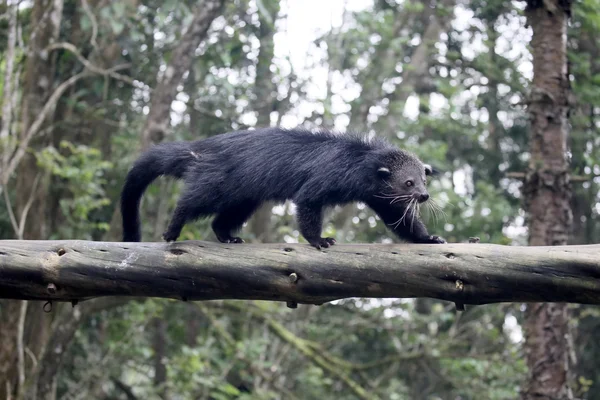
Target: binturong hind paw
x=320 y=242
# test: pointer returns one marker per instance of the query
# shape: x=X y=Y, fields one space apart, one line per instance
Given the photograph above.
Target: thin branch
x=572 y=178
x=40 y=23
x=28 y=206
x=11 y=214
x=92 y=17
x=37 y=124
x=32 y=357
x=20 y=347
x=12 y=139
x=93 y=68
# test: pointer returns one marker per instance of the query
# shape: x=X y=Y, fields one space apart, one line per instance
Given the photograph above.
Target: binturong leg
x=231 y=220
x=310 y=222
x=405 y=223
x=190 y=206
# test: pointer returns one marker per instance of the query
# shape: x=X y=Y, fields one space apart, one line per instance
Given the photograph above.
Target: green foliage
x=475 y=376
x=81 y=169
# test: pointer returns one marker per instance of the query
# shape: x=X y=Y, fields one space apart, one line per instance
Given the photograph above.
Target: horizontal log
x=298 y=273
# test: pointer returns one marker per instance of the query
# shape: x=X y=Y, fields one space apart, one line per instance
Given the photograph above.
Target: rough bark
x=547 y=194
x=163 y=95
x=195 y=270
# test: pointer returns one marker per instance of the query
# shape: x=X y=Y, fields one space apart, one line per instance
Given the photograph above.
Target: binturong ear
x=383 y=172
x=431 y=171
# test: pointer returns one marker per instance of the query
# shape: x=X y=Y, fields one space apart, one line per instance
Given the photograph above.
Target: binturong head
x=402 y=177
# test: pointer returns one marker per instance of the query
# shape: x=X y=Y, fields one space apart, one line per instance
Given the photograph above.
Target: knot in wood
x=292 y=304
x=51 y=288
x=293 y=277
x=474 y=239
x=460 y=285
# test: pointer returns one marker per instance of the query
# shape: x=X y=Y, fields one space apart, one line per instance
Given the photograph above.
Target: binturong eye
x=409 y=183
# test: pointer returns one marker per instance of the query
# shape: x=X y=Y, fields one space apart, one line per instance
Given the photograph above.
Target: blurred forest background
x=89 y=84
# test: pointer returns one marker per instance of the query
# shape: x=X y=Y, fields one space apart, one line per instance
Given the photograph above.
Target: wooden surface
x=195 y=270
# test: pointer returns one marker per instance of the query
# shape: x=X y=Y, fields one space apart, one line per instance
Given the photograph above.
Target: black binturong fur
x=230 y=175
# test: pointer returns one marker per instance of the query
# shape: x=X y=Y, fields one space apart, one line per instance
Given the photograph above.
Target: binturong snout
x=422 y=197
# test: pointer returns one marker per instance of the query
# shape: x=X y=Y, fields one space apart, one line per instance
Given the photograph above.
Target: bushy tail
x=170 y=159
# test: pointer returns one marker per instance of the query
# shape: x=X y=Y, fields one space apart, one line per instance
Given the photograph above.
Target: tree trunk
x=38 y=84
x=547 y=194
x=159 y=346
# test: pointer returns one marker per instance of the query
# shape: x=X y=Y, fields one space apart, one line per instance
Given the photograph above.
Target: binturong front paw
x=433 y=239
x=231 y=239
x=169 y=236
x=320 y=242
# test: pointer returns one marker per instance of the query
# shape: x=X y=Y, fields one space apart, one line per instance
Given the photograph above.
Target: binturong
x=232 y=174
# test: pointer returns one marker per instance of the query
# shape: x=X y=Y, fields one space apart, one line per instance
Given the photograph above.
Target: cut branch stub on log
x=194 y=270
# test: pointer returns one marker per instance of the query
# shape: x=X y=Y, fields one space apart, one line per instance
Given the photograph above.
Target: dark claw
x=230 y=239
x=432 y=239
x=322 y=242
x=436 y=239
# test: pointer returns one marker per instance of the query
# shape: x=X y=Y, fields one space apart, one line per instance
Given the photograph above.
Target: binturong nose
x=423 y=197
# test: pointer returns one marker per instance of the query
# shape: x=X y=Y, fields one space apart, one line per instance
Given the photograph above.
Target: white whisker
x=397 y=223
x=438 y=208
x=433 y=212
x=416 y=209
